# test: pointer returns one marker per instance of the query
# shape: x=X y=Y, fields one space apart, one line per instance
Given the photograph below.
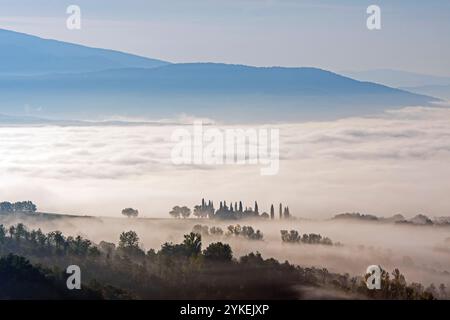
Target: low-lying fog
x=397 y=162
x=422 y=253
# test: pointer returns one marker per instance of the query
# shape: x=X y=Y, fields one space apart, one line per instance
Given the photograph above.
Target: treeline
x=183 y=270
x=20 y=206
x=294 y=236
x=231 y=211
x=246 y=232
x=52 y=243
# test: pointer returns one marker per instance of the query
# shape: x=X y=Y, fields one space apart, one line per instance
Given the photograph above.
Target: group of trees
x=180 y=212
x=294 y=236
x=245 y=231
x=228 y=212
x=46 y=243
x=207 y=231
x=204 y=210
x=283 y=213
x=20 y=206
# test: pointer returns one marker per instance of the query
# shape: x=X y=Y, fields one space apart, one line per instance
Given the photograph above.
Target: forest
x=33 y=263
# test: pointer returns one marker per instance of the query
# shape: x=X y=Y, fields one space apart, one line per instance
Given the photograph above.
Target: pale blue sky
x=321 y=33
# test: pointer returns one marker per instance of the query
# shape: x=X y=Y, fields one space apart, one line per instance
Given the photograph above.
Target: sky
x=319 y=33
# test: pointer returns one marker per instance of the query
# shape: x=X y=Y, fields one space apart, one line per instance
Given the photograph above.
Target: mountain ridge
x=76 y=84
x=29 y=54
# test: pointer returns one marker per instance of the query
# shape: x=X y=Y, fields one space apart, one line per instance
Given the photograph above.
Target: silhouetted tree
x=193 y=244
x=185 y=212
x=218 y=252
x=128 y=239
x=176 y=212
x=130 y=212
x=2 y=233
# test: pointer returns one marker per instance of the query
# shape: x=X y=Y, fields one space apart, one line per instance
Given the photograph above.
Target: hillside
x=25 y=54
x=48 y=78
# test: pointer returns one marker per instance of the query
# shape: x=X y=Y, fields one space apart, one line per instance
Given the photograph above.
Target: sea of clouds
x=396 y=162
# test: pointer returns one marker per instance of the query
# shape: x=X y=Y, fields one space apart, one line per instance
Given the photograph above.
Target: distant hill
x=48 y=78
x=417 y=220
x=25 y=54
x=439 y=91
x=397 y=78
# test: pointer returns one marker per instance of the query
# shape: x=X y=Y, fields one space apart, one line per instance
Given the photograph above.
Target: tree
x=41 y=238
x=272 y=212
x=107 y=247
x=176 y=212
x=203 y=230
x=198 y=211
x=256 y=208
x=286 y=213
x=130 y=212
x=218 y=252
x=281 y=211
x=56 y=239
x=217 y=231
x=2 y=233
x=12 y=231
x=185 y=212
x=129 y=239
x=21 y=231
x=192 y=244
x=79 y=246
x=291 y=237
